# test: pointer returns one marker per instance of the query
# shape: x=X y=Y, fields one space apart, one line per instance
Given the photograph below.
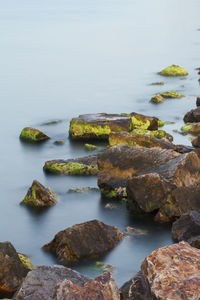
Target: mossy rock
x=90 y=147
x=161 y=123
x=139 y=121
x=158 y=83
x=157 y=99
x=174 y=70
x=193 y=128
x=33 y=135
x=26 y=261
x=172 y=94
x=115 y=193
x=159 y=134
x=39 y=196
x=80 y=166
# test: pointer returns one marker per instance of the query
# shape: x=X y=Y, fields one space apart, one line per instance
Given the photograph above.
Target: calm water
x=63 y=58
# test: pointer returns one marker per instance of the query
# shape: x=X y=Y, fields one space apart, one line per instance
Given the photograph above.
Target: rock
x=139 y=121
x=90 y=147
x=97 y=126
x=39 y=196
x=83 y=190
x=81 y=166
x=174 y=70
x=26 y=261
x=158 y=83
x=33 y=135
x=157 y=99
x=171 y=94
x=159 y=134
x=198 y=101
x=41 y=282
x=135 y=231
x=193 y=128
x=89 y=240
x=148 y=141
x=196 y=142
x=161 y=123
x=59 y=142
x=120 y=163
x=187 y=227
x=12 y=270
x=192 y=116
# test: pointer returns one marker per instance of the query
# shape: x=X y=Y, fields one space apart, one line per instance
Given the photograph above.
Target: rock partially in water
x=97 y=126
x=39 y=196
x=174 y=70
x=12 y=270
x=171 y=94
x=90 y=147
x=187 y=228
x=81 y=166
x=33 y=135
x=159 y=134
x=157 y=99
x=85 y=241
x=192 y=116
x=193 y=128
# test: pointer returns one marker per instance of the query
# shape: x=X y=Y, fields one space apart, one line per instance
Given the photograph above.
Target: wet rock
x=97 y=126
x=198 y=101
x=159 y=134
x=157 y=99
x=41 y=282
x=33 y=135
x=196 y=142
x=171 y=94
x=12 y=270
x=120 y=163
x=89 y=240
x=192 y=116
x=139 y=121
x=81 y=166
x=39 y=196
x=174 y=70
x=193 y=128
x=158 y=83
x=148 y=141
x=90 y=147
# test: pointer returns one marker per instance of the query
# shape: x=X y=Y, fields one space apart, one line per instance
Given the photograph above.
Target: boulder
x=192 y=116
x=171 y=94
x=39 y=196
x=157 y=99
x=187 y=228
x=169 y=273
x=12 y=270
x=81 y=166
x=193 y=128
x=89 y=240
x=97 y=126
x=174 y=70
x=33 y=135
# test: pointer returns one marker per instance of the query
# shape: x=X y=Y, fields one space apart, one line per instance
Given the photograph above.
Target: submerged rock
x=12 y=270
x=157 y=99
x=135 y=231
x=39 y=196
x=59 y=142
x=192 y=116
x=81 y=166
x=158 y=83
x=168 y=273
x=171 y=94
x=83 y=190
x=193 y=128
x=174 y=70
x=89 y=240
x=33 y=135
x=98 y=126
x=90 y=147
x=26 y=261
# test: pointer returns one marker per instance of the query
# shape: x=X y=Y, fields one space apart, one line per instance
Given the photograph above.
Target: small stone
x=171 y=94
x=157 y=99
x=33 y=135
x=59 y=142
x=90 y=147
x=110 y=206
x=174 y=70
x=158 y=83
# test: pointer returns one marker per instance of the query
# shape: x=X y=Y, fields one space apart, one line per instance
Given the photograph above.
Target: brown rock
x=12 y=270
x=192 y=116
x=89 y=240
x=196 y=142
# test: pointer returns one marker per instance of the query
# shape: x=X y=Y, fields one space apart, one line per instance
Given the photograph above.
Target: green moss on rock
x=79 y=128
x=33 y=135
x=157 y=99
x=159 y=134
x=26 y=261
x=171 y=94
x=161 y=123
x=119 y=192
x=174 y=70
x=90 y=147
x=71 y=168
x=186 y=128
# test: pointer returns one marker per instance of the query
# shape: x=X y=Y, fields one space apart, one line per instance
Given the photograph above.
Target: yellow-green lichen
x=186 y=128
x=90 y=147
x=81 y=129
x=26 y=261
x=137 y=121
x=174 y=70
x=157 y=99
x=154 y=133
x=71 y=168
x=32 y=135
x=161 y=123
x=119 y=192
x=171 y=94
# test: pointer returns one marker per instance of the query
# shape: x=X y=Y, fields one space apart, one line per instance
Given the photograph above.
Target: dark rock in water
x=98 y=126
x=170 y=272
x=135 y=289
x=187 y=228
x=196 y=142
x=39 y=196
x=89 y=240
x=192 y=116
x=198 y=101
x=81 y=166
x=41 y=282
x=33 y=135
x=12 y=270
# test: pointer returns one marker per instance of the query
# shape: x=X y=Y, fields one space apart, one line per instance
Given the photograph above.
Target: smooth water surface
x=63 y=58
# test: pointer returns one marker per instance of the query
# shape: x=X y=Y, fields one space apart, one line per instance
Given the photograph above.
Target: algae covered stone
x=33 y=135
x=81 y=166
x=97 y=126
x=139 y=121
x=90 y=147
x=157 y=99
x=174 y=70
x=26 y=261
x=171 y=94
x=39 y=196
x=159 y=134
x=193 y=128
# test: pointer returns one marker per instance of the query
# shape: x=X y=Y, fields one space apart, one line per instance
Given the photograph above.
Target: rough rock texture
x=33 y=135
x=173 y=273
x=196 y=142
x=174 y=70
x=139 y=121
x=89 y=240
x=39 y=196
x=159 y=134
x=12 y=270
x=192 y=116
x=41 y=282
x=98 y=126
x=193 y=128
x=157 y=99
x=120 y=163
x=81 y=166
x=187 y=228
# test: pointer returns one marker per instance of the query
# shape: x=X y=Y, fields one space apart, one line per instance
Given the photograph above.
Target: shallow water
x=63 y=58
